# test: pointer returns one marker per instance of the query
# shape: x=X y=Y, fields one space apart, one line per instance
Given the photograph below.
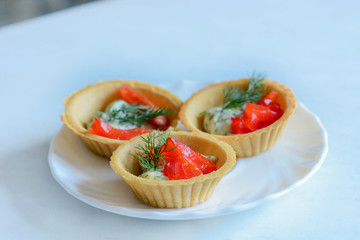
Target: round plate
x=299 y=152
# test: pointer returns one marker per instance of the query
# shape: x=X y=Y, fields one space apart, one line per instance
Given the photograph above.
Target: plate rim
x=178 y=214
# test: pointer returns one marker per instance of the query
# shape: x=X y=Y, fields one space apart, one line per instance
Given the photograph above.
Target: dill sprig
x=137 y=113
x=237 y=97
x=152 y=152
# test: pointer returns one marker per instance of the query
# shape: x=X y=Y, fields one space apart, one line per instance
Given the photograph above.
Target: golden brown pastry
x=80 y=109
x=174 y=193
x=248 y=144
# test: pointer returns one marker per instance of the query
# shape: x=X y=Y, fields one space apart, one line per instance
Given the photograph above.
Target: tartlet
x=245 y=145
x=80 y=109
x=174 y=193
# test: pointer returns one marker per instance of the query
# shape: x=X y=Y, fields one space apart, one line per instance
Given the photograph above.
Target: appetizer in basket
x=249 y=114
x=175 y=170
x=108 y=114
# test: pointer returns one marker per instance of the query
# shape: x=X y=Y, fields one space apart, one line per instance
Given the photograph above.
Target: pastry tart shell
x=80 y=109
x=174 y=193
x=245 y=145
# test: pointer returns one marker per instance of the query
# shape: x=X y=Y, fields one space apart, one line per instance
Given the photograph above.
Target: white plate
x=299 y=152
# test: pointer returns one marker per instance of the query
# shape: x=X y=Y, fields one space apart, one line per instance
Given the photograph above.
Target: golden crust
x=245 y=145
x=174 y=193
x=81 y=105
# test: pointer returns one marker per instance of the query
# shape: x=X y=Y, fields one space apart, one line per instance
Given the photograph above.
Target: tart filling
x=163 y=157
x=243 y=110
x=129 y=116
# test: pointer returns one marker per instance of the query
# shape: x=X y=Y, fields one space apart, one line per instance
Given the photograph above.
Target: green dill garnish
x=136 y=113
x=203 y=112
x=152 y=152
x=237 y=97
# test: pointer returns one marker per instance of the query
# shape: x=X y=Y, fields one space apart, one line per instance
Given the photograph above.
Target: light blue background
x=311 y=46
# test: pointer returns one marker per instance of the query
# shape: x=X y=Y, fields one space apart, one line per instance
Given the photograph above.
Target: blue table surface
x=311 y=46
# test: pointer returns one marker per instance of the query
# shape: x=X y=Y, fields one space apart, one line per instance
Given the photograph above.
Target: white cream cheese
x=218 y=120
x=153 y=175
x=115 y=109
x=213 y=159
